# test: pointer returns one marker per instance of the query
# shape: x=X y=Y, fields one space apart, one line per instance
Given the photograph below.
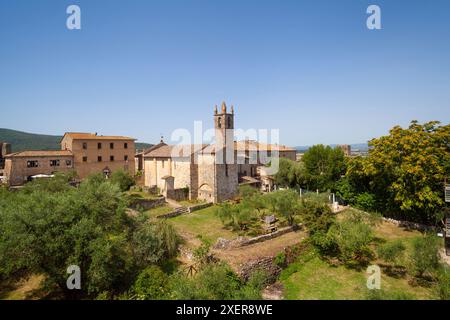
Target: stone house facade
x=93 y=153
x=21 y=166
x=85 y=153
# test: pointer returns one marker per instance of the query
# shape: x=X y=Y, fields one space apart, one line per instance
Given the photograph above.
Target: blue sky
x=144 y=68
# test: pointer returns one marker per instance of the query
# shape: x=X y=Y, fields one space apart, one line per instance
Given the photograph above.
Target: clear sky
x=144 y=68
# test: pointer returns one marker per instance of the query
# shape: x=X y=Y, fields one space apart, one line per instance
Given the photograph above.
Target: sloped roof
x=174 y=151
x=255 y=145
x=156 y=146
x=40 y=153
x=93 y=136
x=163 y=150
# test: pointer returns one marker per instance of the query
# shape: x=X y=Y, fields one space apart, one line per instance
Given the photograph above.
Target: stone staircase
x=182 y=210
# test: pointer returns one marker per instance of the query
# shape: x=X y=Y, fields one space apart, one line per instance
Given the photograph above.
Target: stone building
x=210 y=172
x=5 y=148
x=85 y=153
x=20 y=167
x=346 y=148
x=93 y=153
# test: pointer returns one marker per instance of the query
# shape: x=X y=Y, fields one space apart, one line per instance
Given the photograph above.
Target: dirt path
x=173 y=203
x=237 y=256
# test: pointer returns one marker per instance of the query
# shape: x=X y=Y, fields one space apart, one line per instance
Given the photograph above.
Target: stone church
x=209 y=172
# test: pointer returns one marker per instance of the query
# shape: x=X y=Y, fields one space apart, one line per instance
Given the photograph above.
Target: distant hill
x=356 y=146
x=21 y=141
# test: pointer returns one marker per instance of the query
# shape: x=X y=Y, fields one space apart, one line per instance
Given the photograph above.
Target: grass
x=312 y=278
x=153 y=213
x=316 y=279
x=189 y=203
x=202 y=222
x=142 y=195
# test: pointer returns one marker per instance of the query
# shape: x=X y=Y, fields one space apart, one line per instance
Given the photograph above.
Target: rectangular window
x=111 y=145
x=54 y=163
x=84 y=159
x=99 y=145
x=162 y=163
x=125 y=158
x=99 y=159
x=125 y=145
x=84 y=145
x=111 y=158
x=68 y=163
x=32 y=164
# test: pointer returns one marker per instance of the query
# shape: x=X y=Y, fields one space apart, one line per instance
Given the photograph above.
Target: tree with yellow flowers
x=405 y=171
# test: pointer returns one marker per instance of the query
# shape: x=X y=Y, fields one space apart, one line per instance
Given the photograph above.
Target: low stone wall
x=265 y=264
x=199 y=207
x=178 y=194
x=272 y=235
x=170 y=215
x=412 y=225
x=224 y=244
x=147 y=204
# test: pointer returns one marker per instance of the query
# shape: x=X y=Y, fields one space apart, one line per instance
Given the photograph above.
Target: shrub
x=365 y=201
x=246 y=191
x=217 y=282
x=443 y=283
x=201 y=253
x=213 y=282
x=425 y=255
x=154 y=242
x=352 y=239
x=252 y=289
x=123 y=179
x=392 y=251
x=151 y=284
x=280 y=260
x=316 y=214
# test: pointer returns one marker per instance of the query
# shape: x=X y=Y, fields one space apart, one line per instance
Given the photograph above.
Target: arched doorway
x=205 y=192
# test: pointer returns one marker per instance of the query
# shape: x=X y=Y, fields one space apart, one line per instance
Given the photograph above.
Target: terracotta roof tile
x=174 y=151
x=93 y=136
x=40 y=153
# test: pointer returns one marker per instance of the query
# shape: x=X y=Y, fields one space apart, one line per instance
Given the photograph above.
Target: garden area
x=334 y=263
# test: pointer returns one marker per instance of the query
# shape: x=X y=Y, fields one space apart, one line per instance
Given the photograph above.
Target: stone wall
x=178 y=194
x=169 y=215
x=147 y=204
x=412 y=225
x=265 y=264
x=224 y=244
x=199 y=207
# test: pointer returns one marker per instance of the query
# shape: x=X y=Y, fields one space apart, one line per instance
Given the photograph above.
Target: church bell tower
x=226 y=172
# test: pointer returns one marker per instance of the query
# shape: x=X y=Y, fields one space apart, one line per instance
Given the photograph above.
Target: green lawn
x=202 y=222
x=153 y=213
x=311 y=278
x=315 y=279
x=142 y=195
x=190 y=203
